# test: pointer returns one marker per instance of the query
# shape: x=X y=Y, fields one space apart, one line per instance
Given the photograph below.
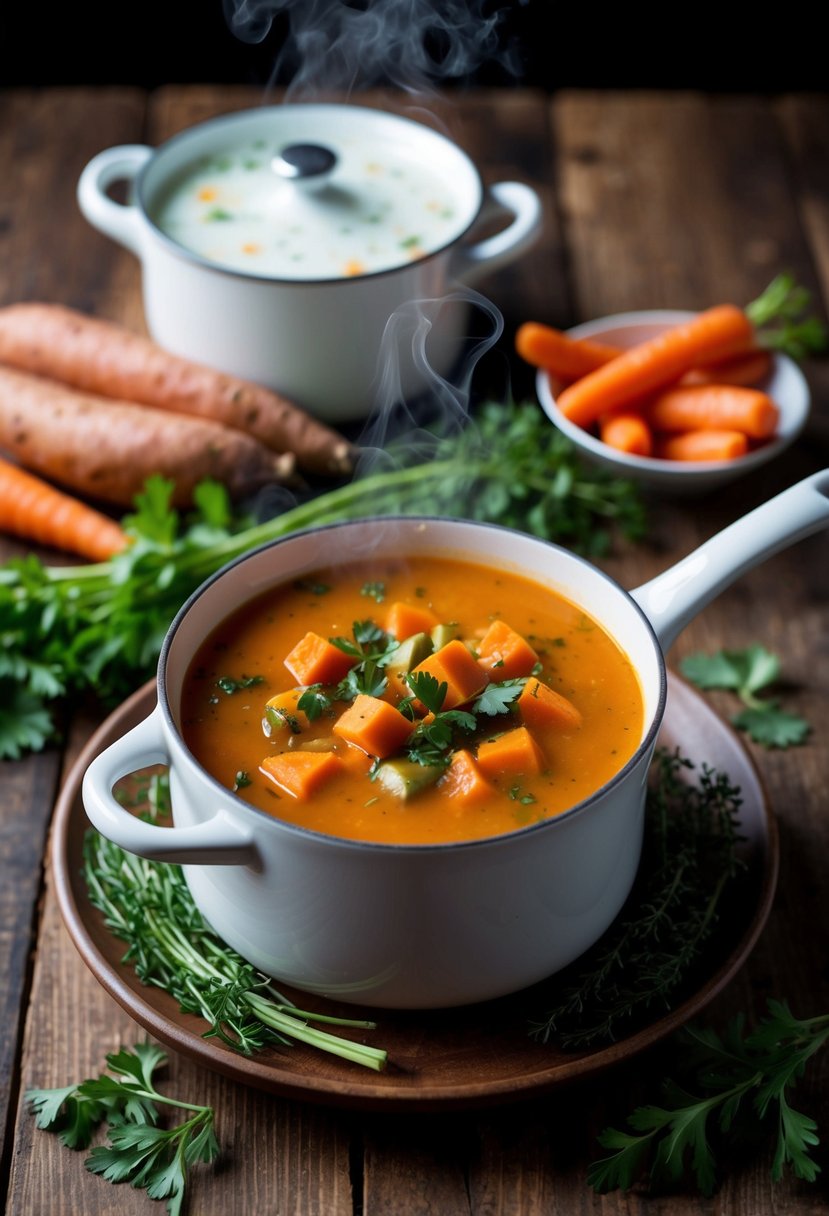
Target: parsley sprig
x=781 y=315
x=729 y=1082
x=747 y=672
x=67 y=631
x=370 y=647
x=435 y=738
x=138 y=1150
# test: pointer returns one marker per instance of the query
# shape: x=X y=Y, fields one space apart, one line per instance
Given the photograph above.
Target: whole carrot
x=33 y=510
x=106 y=449
x=656 y=363
x=564 y=357
x=99 y=356
x=702 y=445
x=748 y=370
x=723 y=407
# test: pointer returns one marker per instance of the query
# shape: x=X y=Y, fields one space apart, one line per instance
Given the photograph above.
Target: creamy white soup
x=376 y=210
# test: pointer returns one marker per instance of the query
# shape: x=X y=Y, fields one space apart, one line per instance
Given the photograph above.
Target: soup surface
x=379 y=209
x=419 y=702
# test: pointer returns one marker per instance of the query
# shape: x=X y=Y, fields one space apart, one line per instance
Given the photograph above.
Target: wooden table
x=652 y=200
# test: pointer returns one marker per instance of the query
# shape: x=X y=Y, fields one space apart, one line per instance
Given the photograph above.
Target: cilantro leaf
x=230 y=685
x=771 y=726
x=497 y=698
x=427 y=689
x=314 y=702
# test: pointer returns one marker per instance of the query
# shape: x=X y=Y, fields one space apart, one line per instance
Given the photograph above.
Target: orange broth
x=575 y=657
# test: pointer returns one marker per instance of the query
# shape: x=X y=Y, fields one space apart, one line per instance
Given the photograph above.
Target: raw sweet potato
x=105 y=449
x=99 y=356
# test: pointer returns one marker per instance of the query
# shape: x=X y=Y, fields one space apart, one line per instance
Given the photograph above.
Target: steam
x=344 y=45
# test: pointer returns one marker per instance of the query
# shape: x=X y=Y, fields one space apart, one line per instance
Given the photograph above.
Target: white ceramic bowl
x=412 y=926
x=786 y=385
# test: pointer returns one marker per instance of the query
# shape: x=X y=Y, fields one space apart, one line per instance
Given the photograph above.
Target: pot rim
x=548 y=824
x=236 y=116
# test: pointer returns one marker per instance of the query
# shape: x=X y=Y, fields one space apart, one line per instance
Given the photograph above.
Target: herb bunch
x=730 y=1084
x=138 y=1151
x=70 y=630
x=148 y=905
x=689 y=863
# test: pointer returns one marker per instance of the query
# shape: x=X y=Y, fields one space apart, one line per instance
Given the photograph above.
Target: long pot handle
x=674 y=597
x=523 y=203
x=121 y=221
x=217 y=841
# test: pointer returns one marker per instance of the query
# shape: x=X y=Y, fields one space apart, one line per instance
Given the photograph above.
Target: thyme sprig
x=148 y=905
x=689 y=861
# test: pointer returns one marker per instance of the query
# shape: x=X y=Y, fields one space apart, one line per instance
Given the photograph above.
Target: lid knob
x=307 y=165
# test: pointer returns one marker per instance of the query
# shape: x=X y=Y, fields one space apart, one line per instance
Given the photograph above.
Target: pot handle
x=674 y=597
x=121 y=221
x=524 y=204
x=217 y=841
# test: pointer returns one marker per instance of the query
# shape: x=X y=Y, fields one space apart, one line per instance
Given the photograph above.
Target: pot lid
x=324 y=192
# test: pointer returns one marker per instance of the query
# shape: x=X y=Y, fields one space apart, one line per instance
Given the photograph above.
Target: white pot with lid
x=277 y=242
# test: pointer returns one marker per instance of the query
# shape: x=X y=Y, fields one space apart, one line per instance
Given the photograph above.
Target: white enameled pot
x=423 y=926
x=318 y=340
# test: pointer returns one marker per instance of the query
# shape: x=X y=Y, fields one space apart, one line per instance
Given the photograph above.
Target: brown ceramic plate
x=457 y=1058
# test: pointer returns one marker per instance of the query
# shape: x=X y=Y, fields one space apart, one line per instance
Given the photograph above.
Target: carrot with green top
x=719 y=407
x=656 y=363
x=34 y=510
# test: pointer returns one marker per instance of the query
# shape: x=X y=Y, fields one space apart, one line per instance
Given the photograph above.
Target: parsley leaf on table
x=729 y=1082
x=138 y=1150
x=747 y=672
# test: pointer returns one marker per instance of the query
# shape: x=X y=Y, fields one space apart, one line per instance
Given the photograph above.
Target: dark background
x=152 y=43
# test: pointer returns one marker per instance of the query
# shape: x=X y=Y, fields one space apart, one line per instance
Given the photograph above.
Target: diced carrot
x=720 y=407
x=302 y=773
x=281 y=711
x=404 y=619
x=627 y=432
x=542 y=707
x=315 y=660
x=464 y=782
x=374 y=725
x=515 y=752
x=504 y=653
x=703 y=445
x=456 y=667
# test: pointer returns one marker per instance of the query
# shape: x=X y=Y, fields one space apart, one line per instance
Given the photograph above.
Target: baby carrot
x=722 y=407
x=656 y=363
x=34 y=510
x=627 y=432
x=749 y=369
x=703 y=445
x=565 y=357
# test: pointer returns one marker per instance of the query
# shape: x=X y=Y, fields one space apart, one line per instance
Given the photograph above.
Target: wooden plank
x=49 y=252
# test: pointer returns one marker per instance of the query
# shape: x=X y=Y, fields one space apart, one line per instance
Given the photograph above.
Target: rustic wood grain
x=663 y=200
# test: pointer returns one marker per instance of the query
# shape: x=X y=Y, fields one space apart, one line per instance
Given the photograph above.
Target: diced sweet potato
x=504 y=653
x=456 y=667
x=515 y=752
x=315 y=660
x=402 y=620
x=541 y=708
x=374 y=725
x=302 y=773
x=464 y=782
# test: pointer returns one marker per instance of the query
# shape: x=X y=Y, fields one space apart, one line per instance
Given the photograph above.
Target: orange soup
x=412 y=702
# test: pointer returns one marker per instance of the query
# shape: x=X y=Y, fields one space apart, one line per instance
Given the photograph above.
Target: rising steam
x=343 y=45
